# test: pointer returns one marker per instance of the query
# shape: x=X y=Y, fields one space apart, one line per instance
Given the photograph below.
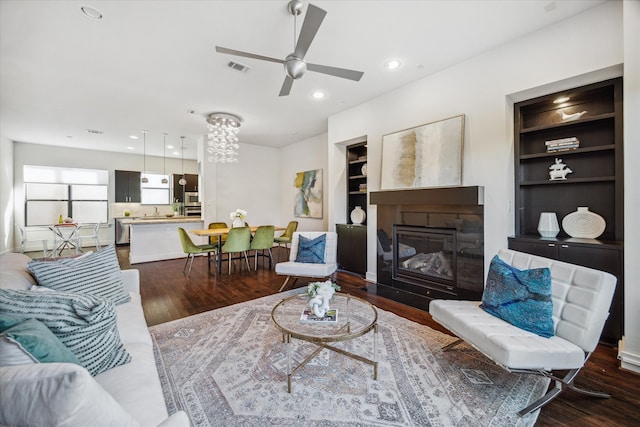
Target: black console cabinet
x=352 y=248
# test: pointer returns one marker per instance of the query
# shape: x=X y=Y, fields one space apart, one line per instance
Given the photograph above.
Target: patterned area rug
x=227 y=367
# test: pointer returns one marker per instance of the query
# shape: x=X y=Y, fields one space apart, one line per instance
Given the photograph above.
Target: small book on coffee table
x=331 y=316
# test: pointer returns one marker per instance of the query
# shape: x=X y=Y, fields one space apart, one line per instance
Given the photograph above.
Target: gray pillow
x=96 y=274
x=86 y=324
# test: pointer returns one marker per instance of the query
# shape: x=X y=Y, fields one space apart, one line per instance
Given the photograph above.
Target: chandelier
x=223 y=137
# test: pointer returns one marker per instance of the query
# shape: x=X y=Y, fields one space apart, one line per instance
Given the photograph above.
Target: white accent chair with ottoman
x=89 y=361
x=313 y=254
x=552 y=314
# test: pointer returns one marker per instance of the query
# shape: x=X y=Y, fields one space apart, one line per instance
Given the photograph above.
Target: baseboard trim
x=628 y=361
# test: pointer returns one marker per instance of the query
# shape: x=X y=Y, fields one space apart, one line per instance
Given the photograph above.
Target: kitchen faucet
x=156 y=213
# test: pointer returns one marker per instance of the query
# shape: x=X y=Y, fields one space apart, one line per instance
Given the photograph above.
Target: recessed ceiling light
x=91 y=12
x=133 y=137
x=561 y=100
x=176 y=153
x=318 y=94
x=130 y=148
x=392 y=65
x=170 y=147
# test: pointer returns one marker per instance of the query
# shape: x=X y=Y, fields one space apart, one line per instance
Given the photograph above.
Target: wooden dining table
x=209 y=232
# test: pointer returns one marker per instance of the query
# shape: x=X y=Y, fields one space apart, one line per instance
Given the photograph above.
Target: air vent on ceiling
x=238 y=66
x=95 y=131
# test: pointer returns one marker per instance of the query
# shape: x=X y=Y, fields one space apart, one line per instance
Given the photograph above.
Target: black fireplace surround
x=430 y=244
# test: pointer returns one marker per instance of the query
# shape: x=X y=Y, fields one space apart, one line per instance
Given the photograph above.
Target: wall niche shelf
x=596 y=180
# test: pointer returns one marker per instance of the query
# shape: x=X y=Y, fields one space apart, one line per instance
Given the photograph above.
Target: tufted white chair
x=581 y=299
x=295 y=269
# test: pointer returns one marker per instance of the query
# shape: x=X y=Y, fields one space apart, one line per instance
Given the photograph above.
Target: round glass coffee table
x=354 y=318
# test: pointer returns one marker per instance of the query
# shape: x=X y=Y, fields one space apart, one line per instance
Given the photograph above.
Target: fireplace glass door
x=434 y=262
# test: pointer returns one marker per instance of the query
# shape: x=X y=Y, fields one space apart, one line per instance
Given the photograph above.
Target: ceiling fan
x=294 y=64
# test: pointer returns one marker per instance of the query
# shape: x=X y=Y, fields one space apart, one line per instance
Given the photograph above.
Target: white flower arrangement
x=324 y=289
x=238 y=213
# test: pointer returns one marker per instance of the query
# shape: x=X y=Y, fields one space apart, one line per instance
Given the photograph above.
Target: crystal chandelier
x=223 y=137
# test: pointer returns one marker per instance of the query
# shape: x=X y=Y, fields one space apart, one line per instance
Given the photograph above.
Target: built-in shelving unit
x=352 y=238
x=593 y=116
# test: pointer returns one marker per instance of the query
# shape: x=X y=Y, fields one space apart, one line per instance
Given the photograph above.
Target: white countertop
x=161 y=220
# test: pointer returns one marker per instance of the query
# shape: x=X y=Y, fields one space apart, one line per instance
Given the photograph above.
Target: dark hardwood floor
x=168 y=294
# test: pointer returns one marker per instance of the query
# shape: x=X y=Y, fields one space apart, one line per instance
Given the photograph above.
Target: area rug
x=227 y=367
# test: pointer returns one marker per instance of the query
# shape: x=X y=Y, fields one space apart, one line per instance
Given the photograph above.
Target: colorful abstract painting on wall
x=308 y=194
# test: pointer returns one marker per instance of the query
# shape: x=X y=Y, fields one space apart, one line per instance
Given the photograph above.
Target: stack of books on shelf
x=562 y=144
x=363 y=188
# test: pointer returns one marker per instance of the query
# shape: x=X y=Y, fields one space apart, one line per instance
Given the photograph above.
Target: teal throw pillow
x=85 y=324
x=520 y=297
x=37 y=340
x=311 y=251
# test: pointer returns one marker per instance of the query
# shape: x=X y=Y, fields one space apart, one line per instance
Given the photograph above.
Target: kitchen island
x=157 y=238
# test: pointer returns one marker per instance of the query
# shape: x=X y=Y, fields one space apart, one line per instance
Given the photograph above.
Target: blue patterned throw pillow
x=311 y=251
x=520 y=297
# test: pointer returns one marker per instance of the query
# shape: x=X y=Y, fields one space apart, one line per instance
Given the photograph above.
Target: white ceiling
x=152 y=64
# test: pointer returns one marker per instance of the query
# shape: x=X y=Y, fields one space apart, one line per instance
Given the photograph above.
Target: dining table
x=65 y=237
x=219 y=232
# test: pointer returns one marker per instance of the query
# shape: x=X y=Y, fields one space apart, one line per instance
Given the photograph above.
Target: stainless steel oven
x=191 y=198
x=192 y=210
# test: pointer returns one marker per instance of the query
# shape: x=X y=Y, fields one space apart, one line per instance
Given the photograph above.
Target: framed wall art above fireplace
x=425 y=156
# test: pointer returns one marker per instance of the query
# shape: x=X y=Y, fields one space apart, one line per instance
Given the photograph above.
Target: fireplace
x=430 y=244
x=434 y=262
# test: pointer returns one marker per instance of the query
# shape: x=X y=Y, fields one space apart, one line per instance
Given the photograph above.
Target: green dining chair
x=262 y=239
x=285 y=238
x=213 y=240
x=238 y=241
x=191 y=249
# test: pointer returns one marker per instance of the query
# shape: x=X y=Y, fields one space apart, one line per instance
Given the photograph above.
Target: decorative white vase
x=237 y=222
x=358 y=215
x=584 y=224
x=548 y=224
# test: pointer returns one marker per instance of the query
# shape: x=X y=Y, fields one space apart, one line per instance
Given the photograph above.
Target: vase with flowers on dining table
x=238 y=217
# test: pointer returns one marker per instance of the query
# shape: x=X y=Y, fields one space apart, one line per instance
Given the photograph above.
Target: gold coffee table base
x=286 y=314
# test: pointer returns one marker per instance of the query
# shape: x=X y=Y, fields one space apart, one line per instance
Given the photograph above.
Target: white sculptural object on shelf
x=558 y=171
x=569 y=117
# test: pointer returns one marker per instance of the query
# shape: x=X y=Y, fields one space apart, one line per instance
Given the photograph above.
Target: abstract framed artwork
x=308 y=194
x=428 y=155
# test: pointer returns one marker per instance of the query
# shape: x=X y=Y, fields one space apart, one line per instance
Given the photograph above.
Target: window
x=81 y=194
x=154 y=192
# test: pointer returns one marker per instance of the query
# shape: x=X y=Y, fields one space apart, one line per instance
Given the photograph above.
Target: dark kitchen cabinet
x=190 y=186
x=127 y=186
x=352 y=248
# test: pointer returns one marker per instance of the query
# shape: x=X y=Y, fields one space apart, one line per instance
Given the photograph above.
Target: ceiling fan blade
x=337 y=72
x=312 y=20
x=286 y=86
x=247 y=55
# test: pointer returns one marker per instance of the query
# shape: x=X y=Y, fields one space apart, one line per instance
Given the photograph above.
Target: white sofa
x=135 y=386
x=581 y=299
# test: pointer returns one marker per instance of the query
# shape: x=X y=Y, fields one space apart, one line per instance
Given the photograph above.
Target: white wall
x=630 y=351
x=251 y=184
x=6 y=195
x=303 y=156
x=577 y=51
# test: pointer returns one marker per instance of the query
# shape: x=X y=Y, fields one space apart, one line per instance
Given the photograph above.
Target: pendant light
x=144 y=179
x=182 y=181
x=164 y=159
